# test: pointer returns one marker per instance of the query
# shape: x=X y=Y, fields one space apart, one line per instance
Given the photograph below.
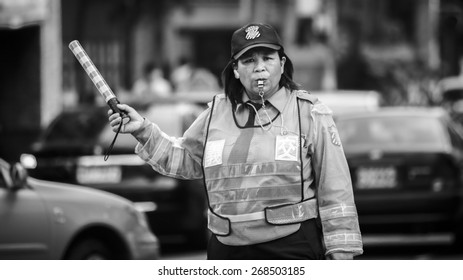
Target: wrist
x=143 y=129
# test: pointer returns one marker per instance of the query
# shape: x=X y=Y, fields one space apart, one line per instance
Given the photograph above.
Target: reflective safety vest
x=261 y=197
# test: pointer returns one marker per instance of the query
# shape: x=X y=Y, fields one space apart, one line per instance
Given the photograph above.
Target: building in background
x=30 y=71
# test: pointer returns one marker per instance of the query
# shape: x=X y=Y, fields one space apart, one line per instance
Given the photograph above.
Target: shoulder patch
x=321 y=109
x=305 y=95
x=334 y=135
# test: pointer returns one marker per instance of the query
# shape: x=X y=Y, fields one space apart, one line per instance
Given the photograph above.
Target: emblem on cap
x=252 y=32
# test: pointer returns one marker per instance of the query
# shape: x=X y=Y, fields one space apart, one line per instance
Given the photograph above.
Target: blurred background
x=176 y=49
x=390 y=46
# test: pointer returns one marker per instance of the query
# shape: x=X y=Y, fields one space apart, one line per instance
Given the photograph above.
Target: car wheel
x=89 y=249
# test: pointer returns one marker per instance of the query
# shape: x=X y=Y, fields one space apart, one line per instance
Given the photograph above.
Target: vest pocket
x=291 y=213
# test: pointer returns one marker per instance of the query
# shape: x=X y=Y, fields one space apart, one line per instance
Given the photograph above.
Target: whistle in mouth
x=96 y=77
x=260 y=85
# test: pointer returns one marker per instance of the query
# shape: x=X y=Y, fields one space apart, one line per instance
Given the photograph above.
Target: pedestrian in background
x=277 y=180
x=151 y=86
x=189 y=77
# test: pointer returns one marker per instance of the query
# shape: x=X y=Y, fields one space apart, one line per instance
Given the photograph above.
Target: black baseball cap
x=254 y=35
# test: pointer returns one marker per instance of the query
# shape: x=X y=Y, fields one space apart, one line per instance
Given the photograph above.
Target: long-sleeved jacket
x=325 y=173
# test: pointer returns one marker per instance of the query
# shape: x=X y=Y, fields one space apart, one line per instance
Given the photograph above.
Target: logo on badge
x=334 y=135
x=286 y=147
x=252 y=32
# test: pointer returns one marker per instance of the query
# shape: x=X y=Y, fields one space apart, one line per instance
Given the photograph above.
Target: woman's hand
x=130 y=124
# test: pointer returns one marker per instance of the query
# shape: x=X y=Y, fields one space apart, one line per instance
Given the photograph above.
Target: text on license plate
x=376 y=177
x=99 y=174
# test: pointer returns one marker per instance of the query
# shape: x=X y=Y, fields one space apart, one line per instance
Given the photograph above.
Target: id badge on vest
x=287 y=147
x=213 y=153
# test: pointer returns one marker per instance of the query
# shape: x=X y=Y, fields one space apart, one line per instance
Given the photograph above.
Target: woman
x=277 y=180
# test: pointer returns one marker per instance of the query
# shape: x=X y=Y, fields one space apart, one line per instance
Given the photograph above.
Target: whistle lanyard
x=110 y=148
x=283 y=129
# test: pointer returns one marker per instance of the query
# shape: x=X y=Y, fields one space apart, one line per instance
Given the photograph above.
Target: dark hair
x=234 y=89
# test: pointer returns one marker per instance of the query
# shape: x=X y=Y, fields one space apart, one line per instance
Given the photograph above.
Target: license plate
x=99 y=174
x=376 y=177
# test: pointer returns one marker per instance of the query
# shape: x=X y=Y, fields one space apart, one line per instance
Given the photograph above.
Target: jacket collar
x=278 y=100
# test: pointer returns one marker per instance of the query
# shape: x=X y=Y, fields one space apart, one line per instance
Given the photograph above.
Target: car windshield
x=74 y=126
x=392 y=133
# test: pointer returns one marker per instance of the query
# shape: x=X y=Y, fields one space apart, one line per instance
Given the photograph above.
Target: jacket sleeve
x=175 y=157
x=336 y=204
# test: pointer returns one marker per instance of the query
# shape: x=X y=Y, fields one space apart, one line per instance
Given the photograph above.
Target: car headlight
x=139 y=216
x=28 y=161
x=145 y=206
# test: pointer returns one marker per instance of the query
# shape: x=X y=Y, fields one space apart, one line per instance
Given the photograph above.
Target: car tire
x=89 y=249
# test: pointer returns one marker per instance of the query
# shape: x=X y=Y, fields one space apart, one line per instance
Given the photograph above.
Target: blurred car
x=406 y=169
x=48 y=220
x=71 y=150
x=450 y=96
x=346 y=101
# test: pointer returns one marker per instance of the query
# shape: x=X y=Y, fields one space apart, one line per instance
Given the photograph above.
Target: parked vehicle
x=72 y=150
x=346 y=101
x=450 y=95
x=406 y=168
x=49 y=220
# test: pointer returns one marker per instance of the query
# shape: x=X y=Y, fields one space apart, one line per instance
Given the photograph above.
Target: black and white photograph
x=212 y=130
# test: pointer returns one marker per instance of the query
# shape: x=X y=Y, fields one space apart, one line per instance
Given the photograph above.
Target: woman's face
x=260 y=64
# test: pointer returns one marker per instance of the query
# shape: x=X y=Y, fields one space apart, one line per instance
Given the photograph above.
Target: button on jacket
x=288 y=167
